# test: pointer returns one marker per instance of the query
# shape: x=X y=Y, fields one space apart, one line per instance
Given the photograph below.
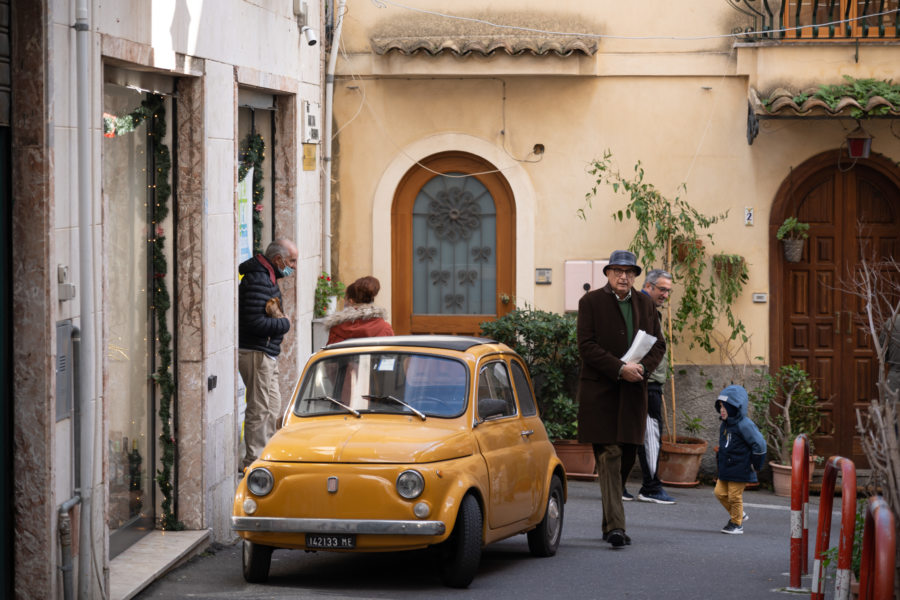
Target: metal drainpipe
x=326 y=158
x=65 y=544
x=86 y=375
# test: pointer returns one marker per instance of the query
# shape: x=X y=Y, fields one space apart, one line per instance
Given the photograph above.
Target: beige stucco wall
x=678 y=106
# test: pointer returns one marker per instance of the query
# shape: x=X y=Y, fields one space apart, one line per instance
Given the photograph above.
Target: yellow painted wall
x=678 y=106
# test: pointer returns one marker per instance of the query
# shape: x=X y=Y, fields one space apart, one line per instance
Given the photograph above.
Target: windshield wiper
x=420 y=414
x=352 y=411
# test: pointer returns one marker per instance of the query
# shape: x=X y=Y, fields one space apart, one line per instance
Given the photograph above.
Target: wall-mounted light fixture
x=859 y=143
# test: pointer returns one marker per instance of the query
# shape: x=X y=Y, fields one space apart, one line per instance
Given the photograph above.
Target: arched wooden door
x=453 y=246
x=816 y=321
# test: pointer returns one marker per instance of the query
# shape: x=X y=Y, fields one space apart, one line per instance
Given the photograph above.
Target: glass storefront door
x=128 y=189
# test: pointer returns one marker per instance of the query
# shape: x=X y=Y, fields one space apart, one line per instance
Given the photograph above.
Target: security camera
x=310 y=34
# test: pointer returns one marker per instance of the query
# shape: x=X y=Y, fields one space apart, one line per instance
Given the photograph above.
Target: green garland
x=253 y=158
x=153 y=110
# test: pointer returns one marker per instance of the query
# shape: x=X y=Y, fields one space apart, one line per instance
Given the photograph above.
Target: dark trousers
x=651 y=483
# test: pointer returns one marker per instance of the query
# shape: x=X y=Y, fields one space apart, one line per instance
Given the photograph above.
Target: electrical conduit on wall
x=86 y=363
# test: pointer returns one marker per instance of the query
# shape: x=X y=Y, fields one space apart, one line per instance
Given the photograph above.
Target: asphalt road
x=678 y=553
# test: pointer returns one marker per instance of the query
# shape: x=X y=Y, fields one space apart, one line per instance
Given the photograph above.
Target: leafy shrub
x=548 y=344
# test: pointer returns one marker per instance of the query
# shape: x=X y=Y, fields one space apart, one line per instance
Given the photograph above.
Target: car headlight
x=260 y=481
x=410 y=484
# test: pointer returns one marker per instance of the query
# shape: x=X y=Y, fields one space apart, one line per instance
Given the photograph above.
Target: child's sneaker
x=732 y=528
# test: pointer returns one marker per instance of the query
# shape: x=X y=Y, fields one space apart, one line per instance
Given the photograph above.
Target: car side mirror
x=490 y=407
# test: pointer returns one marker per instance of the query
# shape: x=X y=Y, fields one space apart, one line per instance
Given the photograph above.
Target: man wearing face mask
x=261 y=327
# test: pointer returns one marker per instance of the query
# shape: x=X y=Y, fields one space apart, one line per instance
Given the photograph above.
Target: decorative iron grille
x=454 y=243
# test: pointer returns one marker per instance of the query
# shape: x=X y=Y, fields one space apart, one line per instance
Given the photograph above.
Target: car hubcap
x=553 y=524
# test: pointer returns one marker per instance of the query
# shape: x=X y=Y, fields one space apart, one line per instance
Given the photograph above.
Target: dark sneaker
x=626 y=496
x=660 y=497
x=616 y=538
x=733 y=529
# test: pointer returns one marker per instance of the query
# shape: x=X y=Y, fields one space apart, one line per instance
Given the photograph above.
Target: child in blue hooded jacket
x=742 y=450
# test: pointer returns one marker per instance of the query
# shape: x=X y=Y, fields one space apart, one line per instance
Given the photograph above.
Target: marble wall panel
x=309 y=240
x=63 y=99
x=32 y=305
x=221 y=400
x=221 y=93
x=220 y=230
x=221 y=320
x=285 y=163
x=65 y=178
x=221 y=171
x=189 y=299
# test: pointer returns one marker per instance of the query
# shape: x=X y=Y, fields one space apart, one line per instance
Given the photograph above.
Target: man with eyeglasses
x=658 y=286
x=612 y=393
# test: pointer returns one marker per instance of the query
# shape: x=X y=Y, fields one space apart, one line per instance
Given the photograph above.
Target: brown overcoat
x=612 y=410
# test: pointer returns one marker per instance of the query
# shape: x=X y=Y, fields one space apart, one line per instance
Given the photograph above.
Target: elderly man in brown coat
x=612 y=394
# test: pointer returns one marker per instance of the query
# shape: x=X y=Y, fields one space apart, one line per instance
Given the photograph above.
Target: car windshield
x=422 y=385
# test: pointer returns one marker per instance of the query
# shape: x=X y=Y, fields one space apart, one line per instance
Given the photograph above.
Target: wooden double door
x=818 y=322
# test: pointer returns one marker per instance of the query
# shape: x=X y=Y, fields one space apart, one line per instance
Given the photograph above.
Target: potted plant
x=679 y=460
x=784 y=406
x=327 y=292
x=730 y=266
x=687 y=250
x=793 y=233
x=560 y=417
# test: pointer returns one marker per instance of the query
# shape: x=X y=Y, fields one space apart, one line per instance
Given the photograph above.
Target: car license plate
x=331 y=542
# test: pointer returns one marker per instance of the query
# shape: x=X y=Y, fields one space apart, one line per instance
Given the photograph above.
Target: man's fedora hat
x=623 y=258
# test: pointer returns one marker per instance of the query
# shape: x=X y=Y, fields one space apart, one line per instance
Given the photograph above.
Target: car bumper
x=360 y=526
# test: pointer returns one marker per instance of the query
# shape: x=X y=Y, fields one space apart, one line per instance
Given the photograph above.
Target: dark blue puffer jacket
x=256 y=329
x=742 y=448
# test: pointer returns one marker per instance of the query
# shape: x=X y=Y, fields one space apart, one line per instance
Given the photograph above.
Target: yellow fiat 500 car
x=406 y=442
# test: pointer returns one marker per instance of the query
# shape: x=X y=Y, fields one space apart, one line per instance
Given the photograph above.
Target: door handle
x=527 y=433
x=837 y=322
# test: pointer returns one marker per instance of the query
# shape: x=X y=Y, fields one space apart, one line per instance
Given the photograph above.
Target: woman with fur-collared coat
x=360 y=318
x=612 y=394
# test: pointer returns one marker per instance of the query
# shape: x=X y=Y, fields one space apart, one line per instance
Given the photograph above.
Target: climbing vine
x=252 y=158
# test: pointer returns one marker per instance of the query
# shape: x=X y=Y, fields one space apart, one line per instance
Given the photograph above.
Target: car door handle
x=527 y=432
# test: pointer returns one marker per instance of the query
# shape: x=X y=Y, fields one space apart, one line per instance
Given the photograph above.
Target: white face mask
x=285 y=269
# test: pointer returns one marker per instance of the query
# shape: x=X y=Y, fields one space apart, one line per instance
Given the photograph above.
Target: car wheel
x=543 y=540
x=256 y=561
x=462 y=552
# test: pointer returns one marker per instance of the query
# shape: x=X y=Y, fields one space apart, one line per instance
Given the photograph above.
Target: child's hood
x=736 y=396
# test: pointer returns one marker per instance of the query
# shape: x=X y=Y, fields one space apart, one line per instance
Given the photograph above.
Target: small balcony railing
x=821 y=20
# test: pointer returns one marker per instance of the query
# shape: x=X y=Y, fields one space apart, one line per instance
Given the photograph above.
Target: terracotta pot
x=727 y=269
x=577 y=458
x=679 y=463
x=681 y=248
x=781 y=476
